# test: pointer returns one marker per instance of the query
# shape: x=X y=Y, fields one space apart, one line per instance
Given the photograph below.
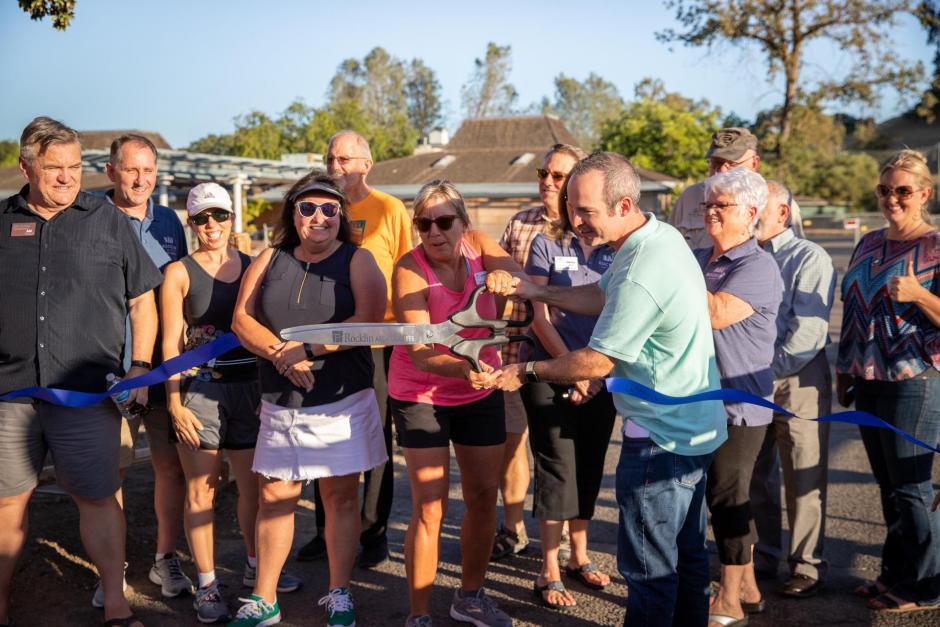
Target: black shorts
x=481 y=423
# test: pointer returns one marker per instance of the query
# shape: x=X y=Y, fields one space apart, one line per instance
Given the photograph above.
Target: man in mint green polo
x=654 y=328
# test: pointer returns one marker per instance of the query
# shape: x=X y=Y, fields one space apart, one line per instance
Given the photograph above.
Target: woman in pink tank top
x=437 y=399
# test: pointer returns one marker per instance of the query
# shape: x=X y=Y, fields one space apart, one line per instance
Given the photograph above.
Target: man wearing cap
x=380 y=224
x=71 y=271
x=730 y=148
x=133 y=170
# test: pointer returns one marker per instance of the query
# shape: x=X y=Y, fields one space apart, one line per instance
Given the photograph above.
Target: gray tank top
x=294 y=293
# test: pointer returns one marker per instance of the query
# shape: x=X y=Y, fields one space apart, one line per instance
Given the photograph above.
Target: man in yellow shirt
x=381 y=224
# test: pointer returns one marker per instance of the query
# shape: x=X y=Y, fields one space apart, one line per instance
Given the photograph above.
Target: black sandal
x=578 y=575
x=127 y=621
x=557 y=586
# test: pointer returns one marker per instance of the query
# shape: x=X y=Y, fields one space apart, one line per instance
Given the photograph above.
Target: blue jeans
x=910 y=558
x=661 y=549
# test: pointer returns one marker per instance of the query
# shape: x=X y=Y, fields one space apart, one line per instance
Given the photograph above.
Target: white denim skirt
x=330 y=440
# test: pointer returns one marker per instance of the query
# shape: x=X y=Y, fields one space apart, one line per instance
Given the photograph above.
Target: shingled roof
x=487 y=150
x=101 y=140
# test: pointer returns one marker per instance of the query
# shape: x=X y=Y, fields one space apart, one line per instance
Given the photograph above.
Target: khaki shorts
x=157 y=425
x=516 y=421
x=83 y=442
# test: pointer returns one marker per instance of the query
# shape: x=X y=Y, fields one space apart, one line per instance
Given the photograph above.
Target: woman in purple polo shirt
x=744 y=293
x=568 y=426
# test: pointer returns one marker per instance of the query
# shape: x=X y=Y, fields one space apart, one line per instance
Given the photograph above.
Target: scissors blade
x=370 y=334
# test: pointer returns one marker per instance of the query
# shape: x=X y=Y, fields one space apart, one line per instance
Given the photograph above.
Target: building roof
x=101 y=140
x=495 y=151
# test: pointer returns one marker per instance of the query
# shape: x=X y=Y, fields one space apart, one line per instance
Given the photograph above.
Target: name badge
x=22 y=229
x=479 y=277
x=566 y=263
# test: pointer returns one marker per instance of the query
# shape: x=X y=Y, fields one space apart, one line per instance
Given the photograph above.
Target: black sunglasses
x=219 y=215
x=444 y=223
x=307 y=208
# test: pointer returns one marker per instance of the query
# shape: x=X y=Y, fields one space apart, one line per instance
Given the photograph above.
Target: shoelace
x=253 y=608
x=211 y=595
x=337 y=601
x=173 y=565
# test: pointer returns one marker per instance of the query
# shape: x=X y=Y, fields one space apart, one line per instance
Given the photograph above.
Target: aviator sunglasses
x=307 y=208
x=219 y=215
x=902 y=192
x=558 y=177
x=444 y=223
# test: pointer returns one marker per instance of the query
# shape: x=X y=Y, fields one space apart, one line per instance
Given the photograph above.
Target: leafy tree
x=928 y=12
x=585 y=106
x=423 y=95
x=663 y=131
x=489 y=93
x=783 y=30
x=815 y=163
x=9 y=153
x=61 y=11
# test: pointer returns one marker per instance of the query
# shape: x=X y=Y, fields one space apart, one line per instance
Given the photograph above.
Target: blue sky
x=186 y=69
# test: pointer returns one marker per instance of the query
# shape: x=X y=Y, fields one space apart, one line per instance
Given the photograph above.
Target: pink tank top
x=405 y=381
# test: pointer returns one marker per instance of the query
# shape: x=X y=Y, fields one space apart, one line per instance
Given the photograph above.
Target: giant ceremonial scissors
x=444 y=333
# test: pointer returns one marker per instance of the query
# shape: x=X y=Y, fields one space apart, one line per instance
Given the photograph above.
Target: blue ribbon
x=161 y=373
x=860 y=418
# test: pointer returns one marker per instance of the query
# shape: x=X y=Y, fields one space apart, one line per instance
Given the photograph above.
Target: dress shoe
x=373 y=554
x=313 y=550
x=801 y=586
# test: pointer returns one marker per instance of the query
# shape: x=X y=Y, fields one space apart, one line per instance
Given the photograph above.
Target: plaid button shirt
x=516 y=240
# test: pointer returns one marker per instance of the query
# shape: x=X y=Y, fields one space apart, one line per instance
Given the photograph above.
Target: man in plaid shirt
x=511 y=537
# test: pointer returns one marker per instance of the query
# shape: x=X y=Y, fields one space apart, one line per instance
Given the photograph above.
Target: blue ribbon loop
x=860 y=418
x=227 y=342
x=161 y=373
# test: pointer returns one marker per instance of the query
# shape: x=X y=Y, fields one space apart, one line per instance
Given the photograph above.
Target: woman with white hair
x=744 y=292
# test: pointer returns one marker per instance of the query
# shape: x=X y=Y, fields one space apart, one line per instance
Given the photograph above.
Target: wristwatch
x=308 y=349
x=530 y=375
x=141 y=364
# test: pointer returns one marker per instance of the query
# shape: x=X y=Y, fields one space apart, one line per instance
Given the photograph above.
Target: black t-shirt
x=64 y=287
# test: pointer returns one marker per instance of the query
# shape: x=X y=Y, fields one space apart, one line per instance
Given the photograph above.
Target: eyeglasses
x=717 y=206
x=444 y=223
x=307 y=208
x=341 y=160
x=717 y=163
x=558 y=177
x=219 y=215
x=902 y=192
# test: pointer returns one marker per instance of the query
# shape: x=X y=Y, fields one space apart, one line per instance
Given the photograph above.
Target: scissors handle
x=469 y=318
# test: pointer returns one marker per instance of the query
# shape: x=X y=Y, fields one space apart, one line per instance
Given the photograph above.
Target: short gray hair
x=778 y=193
x=620 y=177
x=746 y=187
x=566 y=149
x=129 y=138
x=41 y=133
x=361 y=142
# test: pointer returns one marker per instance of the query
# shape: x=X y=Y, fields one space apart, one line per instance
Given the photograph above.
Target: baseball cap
x=731 y=143
x=208 y=196
x=318 y=186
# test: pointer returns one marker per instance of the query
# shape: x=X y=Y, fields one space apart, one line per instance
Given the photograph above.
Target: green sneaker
x=339 y=606
x=256 y=612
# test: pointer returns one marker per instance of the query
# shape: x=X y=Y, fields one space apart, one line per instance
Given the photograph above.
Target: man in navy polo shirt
x=133 y=170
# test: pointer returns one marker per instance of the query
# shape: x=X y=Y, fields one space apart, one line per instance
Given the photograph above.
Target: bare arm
x=544 y=330
x=584 y=363
x=142 y=311
x=583 y=299
x=725 y=309
x=494 y=258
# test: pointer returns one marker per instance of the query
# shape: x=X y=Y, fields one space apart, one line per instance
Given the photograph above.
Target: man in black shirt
x=71 y=269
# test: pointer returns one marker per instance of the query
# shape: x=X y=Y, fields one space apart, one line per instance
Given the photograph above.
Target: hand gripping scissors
x=444 y=333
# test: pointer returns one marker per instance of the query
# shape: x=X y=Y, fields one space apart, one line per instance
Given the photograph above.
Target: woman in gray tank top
x=213 y=405
x=319 y=417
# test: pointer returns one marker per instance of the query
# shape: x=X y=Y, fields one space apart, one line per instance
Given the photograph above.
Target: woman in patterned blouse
x=889 y=362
